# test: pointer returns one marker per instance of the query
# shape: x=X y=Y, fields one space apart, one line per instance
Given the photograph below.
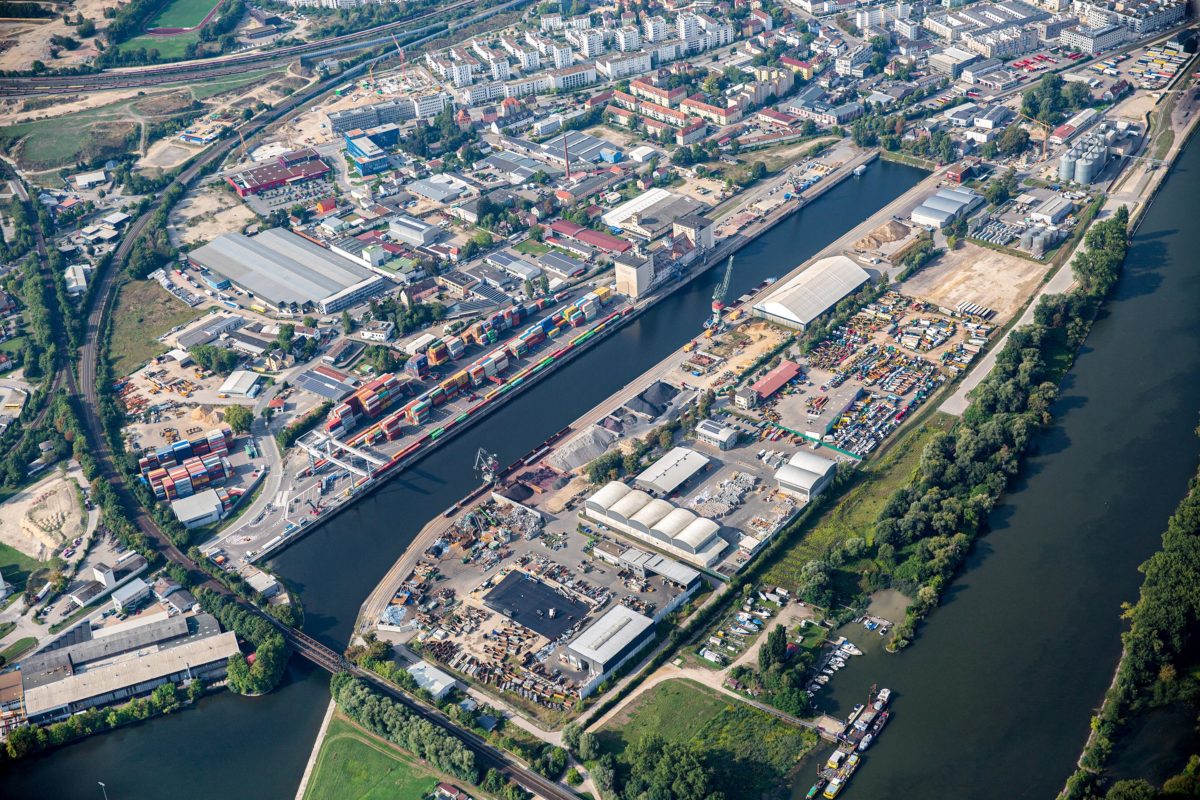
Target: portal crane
x=719 y=295
x=486 y=466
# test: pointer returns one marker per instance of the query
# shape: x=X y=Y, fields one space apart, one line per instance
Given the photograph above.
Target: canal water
x=994 y=698
x=233 y=747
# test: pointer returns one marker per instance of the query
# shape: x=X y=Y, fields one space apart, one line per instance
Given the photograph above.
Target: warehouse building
x=88 y=671
x=946 y=206
x=433 y=680
x=776 y=379
x=801 y=300
x=241 y=383
x=656 y=522
x=608 y=643
x=651 y=213
x=413 y=231
x=676 y=468
x=290 y=168
x=199 y=509
x=805 y=475
x=288 y=272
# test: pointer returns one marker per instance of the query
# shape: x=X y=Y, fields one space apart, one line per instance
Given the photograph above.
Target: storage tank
x=1066 y=166
x=1026 y=240
x=1085 y=169
x=1039 y=245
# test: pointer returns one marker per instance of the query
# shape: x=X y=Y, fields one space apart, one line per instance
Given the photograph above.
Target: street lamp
x=103 y=789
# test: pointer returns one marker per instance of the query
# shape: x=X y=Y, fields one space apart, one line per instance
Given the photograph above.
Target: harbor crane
x=486 y=466
x=719 y=295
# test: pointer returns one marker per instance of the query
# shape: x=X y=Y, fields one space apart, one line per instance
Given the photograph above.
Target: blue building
x=366 y=149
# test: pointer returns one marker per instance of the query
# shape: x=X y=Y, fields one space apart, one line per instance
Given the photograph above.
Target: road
x=207 y=69
x=85 y=388
x=1181 y=119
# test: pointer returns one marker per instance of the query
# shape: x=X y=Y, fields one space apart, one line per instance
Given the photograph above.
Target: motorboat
x=865 y=742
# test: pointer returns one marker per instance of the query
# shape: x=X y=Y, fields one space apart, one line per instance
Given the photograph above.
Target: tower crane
x=719 y=295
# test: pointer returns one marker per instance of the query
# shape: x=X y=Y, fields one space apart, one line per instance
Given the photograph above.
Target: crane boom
x=720 y=293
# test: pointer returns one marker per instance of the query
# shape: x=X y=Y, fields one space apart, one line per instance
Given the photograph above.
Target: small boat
x=860 y=169
x=851 y=649
x=816 y=789
x=834 y=788
x=827 y=671
x=839 y=662
x=822 y=679
x=865 y=742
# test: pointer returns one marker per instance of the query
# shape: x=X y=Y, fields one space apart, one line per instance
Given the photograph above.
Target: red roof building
x=592 y=238
x=776 y=379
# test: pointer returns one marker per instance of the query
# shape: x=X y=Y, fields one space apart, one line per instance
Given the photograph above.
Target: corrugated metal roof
x=814 y=291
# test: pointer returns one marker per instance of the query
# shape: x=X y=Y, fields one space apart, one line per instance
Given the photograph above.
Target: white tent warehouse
x=798 y=302
x=655 y=521
x=282 y=269
x=805 y=474
x=945 y=206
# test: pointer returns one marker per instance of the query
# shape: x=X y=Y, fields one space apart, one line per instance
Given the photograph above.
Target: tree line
x=270 y=648
x=1158 y=658
x=925 y=529
x=390 y=720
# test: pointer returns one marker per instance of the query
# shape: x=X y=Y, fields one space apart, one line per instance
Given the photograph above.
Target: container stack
x=438 y=353
x=455 y=346
x=369 y=401
x=193 y=475
x=417 y=366
x=172 y=455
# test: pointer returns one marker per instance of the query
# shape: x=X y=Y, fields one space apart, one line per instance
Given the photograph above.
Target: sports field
x=353 y=765
x=182 y=13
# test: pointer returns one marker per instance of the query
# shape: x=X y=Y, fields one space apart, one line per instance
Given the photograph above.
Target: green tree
x=239 y=418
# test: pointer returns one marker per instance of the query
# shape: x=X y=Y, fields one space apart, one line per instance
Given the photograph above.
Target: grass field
x=209 y=88
x=353 y=765
x=855 y=514
x=532 y=248
x=750 y=751
x=167 y=46
x=144 y=312
x=62 y=141
x=15 y=566
x=181 y=13
x=17 y=649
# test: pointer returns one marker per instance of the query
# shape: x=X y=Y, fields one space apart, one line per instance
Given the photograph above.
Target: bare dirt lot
x=204 y=215
x=40 y=519
x=975 y=274
x=31 y=41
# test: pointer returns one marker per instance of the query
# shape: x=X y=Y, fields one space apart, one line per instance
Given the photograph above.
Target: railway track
x=85 y=387
x=133 y=77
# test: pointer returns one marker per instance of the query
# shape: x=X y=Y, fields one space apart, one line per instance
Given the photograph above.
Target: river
x=993 y=700
x=236 y=747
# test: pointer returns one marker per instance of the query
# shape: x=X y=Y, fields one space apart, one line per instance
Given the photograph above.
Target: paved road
x=1182 y=119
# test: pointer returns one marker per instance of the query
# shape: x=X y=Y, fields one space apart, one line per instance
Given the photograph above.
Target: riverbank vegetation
x=390 y=720
x=270 y=649
x=30 y=739
x=1158 y=664
x=731 y=748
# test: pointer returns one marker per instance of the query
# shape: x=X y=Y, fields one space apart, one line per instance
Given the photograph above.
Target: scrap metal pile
x=715 y=502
